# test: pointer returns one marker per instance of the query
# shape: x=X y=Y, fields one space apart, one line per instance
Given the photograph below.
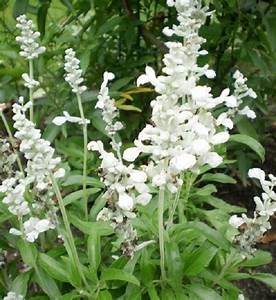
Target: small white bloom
x=236 y=221
x=34 y=226
x=182 y=162
x=29 y=82
x=67 y=118
x=143 y=199
x=59 y=173
x=210 y=74
x=15 y=231
x=220 y=138
x=247 y=112
x=125 y=202
x=257 y=173
x=130 y=154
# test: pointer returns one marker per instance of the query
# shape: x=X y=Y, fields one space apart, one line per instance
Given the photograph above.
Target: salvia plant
x=154 y=231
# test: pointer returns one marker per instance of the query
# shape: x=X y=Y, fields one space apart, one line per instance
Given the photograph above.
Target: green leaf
x=77 y=180
x=117 y=274
x=104 y=295
x=20 y=284
x=211 y=234
x=128 y=107
x=78 y=195
x=28 y=252
x=41 y=16
x=94 y=250
x=20 y=7
x=197 y=261
x=260 y=258
x=206 y=190
x=153 y=293
x=54 y=268
x=47 y=284
x=203 y=292
x=102 y=228
x=222 y=205
x=174 y=263
x=218 y=177
x=266 y=278
x=250 y=142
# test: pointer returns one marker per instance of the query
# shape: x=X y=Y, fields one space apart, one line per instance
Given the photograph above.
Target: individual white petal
x=130 y=154
x=210 y=74
x=257 y=173
x=213 y=159
x=59 y=173
x=125 y=202
x=143 y=199
x=248 y=112
x=138 y=176
x=182 y=162
x=236 y=221
x=142 y=79
x=59 y=120
x=220 y=138
x=200 y=146
x=15 y=231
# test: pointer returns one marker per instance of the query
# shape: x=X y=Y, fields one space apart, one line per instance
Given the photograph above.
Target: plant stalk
x=85 y=151
x=161 y=232
x=68 y=230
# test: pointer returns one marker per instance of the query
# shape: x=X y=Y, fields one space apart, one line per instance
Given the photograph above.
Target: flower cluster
x=73 y=72
x=30 y=48
x=126 y=186
x=184 y=133
x=30 y=83
x=107 y=105
x=40 y=164
x=255 y=227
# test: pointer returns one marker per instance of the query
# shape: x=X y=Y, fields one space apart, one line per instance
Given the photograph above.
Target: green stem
x=161 y=232
x=188 y=184
x=85 y=141
x=68 y=230
x=31 y=75
x=7 y=127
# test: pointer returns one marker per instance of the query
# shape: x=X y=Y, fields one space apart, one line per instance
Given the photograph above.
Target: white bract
x=30 y=48
x=13 y=296
x=73 y=72
x=255 y=227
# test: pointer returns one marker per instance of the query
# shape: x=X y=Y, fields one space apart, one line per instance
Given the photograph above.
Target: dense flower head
x=40 y=164
x=256 y=226
x=73 y=72
x=30 y=48
x=183 y=133
x=108 y=107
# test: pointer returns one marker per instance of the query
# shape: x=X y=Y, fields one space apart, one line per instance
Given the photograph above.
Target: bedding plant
x=144 y=223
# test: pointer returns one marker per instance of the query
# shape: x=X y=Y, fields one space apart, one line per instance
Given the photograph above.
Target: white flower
x=29 y=82
x=125 y=202
x=108 y=107
x=210 y=74
x=15 y=231
x=30 y=48
x=257 y=173
x=236 y=221
x=247 y=112
x=225 y=121
x=220 y=138
x=73 y=72
x=13 y=296
x=67 y=118
x=182 y=162
x=130 y=154
x=34 y=226
x=148 y=77
x=143 y=199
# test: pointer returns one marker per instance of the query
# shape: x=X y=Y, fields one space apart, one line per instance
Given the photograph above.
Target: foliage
x=123 y=36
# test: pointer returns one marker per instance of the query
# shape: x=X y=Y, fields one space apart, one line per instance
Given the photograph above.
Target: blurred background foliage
x=123 y=36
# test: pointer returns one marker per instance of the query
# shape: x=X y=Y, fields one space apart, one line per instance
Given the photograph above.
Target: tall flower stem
x=161 y=232
x=31 y=75
x=7 y=127
x=68 y=231
x=85 y=141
